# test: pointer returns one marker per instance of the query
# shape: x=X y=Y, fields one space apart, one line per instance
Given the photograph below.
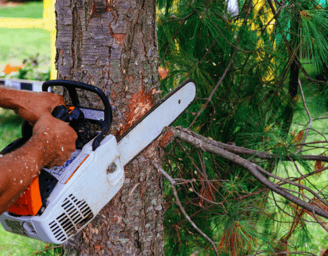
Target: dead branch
x=309 y=115
x=250 y=152
x=255 y=170
x=172 y=182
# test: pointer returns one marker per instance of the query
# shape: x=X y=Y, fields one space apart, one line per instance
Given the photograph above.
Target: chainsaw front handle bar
x=71 y=88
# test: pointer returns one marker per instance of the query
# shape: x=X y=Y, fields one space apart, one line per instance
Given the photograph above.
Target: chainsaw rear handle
x=60 y=112
x=71 y=87
x=27 y=131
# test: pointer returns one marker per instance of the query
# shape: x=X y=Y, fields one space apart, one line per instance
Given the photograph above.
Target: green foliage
x=9 y=127
x=19 y=44
x=248 y=108
x=314 y=29
x=33 y=69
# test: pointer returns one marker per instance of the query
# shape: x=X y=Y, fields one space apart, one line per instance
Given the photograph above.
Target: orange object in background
x=162 y=72
x=30 y=202
x=11 y=68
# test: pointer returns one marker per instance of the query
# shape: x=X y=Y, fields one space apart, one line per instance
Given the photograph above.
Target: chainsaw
x=62 y=200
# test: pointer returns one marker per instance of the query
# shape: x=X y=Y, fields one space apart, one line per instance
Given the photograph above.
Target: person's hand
x=35 y=104
x=57 y=137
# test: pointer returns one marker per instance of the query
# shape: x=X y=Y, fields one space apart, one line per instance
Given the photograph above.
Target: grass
x=12 y=244
x=19 y=44
x=15 y=46
x=29 y=10
x=317 y=106
x=9 y=127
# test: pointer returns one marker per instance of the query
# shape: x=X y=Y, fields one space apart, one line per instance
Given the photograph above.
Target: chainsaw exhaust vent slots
x=78 y=211
x=76 y=214
x=71 y=195
x=57 y=231
x=66 y=224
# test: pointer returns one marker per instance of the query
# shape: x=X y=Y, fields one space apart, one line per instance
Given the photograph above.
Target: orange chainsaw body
x=30 y=202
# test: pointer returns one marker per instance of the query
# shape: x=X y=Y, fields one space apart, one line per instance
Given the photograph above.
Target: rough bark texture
x=113 y=45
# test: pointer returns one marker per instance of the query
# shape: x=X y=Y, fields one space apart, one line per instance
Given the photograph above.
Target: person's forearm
x=19 y=168
x=13 y=99
x=29 y=105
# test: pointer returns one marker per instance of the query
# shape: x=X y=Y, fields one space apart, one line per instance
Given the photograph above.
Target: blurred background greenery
x=17 y=45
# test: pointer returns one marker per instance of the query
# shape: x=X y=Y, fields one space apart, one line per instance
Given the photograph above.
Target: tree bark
x=113 y=45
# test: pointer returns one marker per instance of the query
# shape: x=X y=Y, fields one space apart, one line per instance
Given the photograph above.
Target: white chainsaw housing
x=76 y=199
x=90 y=179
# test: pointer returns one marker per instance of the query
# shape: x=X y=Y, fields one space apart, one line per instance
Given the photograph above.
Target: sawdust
x=119 y=38
x=139 y=104
x=167 y=139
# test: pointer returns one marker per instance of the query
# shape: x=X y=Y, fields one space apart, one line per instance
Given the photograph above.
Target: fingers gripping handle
x=71 y=87
x=62 y=113
x=66 y=115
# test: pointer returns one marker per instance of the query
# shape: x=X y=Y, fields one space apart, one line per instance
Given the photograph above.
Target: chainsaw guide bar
x=150 y=126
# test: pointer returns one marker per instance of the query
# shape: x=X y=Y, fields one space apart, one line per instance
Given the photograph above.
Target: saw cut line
x=165 y=113
x=167 y=96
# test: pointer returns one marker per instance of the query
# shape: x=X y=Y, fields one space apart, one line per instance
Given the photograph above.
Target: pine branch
x=223 y=36
x=296 y=60
x=250 y=152
x=253 y=169
x=176 y=33
x=172 y=182
x=227 y=68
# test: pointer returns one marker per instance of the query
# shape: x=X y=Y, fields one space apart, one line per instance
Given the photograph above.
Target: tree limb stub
x=249 y=152
x=188 y=136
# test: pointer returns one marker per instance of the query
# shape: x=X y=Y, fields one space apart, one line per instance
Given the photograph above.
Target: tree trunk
x=113 y=45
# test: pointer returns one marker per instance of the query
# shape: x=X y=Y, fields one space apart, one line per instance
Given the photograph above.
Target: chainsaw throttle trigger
x=75 y=117
x=67 y=115
x=79 y=116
